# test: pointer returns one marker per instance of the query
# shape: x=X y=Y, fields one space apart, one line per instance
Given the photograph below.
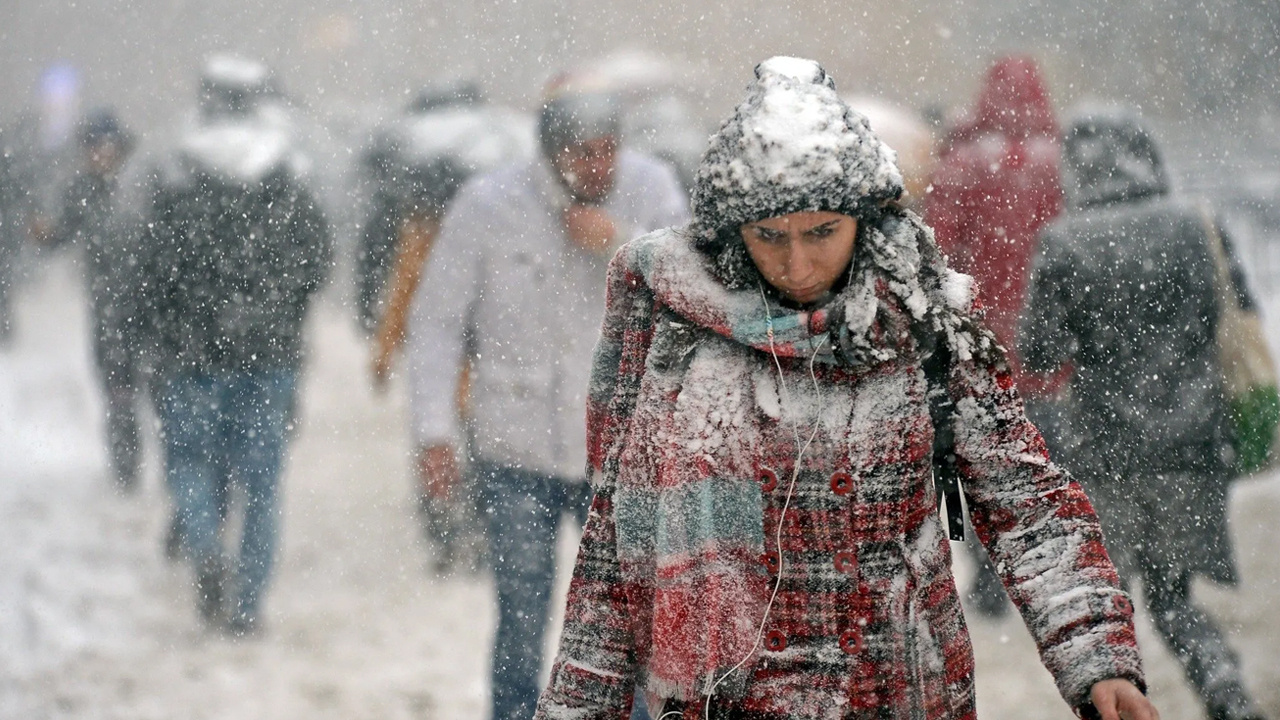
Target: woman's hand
x=1118 y=699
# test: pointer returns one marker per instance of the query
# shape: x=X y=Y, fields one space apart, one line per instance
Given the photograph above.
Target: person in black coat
x=237 y=247
x=1123 y=291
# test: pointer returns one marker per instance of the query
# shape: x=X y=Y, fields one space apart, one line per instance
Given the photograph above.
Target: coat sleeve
x=1239 y=282
x=313 y=247
x=1043 y=537
x=442 y=314
x=594 y=674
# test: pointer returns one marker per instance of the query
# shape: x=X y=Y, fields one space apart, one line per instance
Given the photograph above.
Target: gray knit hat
x=576 y=117
x=793 y=145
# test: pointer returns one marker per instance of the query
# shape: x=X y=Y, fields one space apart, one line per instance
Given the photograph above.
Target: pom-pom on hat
x=792 y=146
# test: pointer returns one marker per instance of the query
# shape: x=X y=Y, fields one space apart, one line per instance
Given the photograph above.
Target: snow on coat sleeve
x=442 y=308
x=594 y=674
x=1043 y=536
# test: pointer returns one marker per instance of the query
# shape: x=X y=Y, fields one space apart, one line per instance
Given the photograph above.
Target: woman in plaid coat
x=764 y=541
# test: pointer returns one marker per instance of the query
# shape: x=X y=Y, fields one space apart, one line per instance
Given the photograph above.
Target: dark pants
x=523 y=510
x=233 y=421
x=1211 y=667
x=121 y=389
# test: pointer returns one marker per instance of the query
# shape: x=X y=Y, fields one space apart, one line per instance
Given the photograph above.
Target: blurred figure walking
x=237 y=247
x=1124 y=290
x=515 y=284
x=996 y=185
x=421 y=160
x=89 y=221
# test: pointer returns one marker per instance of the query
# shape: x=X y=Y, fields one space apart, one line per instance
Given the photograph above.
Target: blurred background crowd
x=354 y=128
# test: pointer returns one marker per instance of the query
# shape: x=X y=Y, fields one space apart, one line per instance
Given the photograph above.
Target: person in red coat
x=995 y=186
x=764 y=541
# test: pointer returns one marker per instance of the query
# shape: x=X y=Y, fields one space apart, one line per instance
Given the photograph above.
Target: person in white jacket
x=515 y=285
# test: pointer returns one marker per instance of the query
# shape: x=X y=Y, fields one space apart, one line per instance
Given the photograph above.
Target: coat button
x=775 y=641
x=851 y=641
x=768 y=479
x=1122 y=604
x=846 y=562
x=771 y=560
x=841 y=483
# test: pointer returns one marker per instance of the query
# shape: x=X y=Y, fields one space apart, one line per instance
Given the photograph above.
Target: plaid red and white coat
x=695 y=450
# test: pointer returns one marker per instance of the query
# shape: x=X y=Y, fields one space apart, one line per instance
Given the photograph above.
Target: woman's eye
x=821 y=232
x=770 y=236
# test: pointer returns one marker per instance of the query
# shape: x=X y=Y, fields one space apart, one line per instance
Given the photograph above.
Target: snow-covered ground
x=94 y=623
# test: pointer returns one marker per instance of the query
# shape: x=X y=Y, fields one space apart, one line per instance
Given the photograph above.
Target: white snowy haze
x=95 y=623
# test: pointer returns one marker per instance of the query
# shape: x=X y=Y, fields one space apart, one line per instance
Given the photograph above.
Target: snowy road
x=94 y=623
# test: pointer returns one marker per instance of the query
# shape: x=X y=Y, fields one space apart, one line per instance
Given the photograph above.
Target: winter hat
x=1110 y=156
x=232 y=85
x=101 y=126
x=793 y=145
x=576 y=117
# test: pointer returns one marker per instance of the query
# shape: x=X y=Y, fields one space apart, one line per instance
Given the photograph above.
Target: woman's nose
x=798 y=264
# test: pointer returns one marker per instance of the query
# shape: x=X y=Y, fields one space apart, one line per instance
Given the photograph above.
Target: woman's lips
x=804 y=294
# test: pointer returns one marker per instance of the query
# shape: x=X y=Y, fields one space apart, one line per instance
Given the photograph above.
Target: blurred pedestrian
x=515 y=284
x=89 y=221
x=385 y=165
x=449 y=136
x=237 y=247
x=996 y=184
x=764 y=541
x=1124 y=290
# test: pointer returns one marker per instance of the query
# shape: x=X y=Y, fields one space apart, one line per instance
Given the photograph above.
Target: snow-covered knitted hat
x=793 y=145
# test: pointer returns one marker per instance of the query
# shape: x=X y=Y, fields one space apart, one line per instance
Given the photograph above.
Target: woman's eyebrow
x=824 y=226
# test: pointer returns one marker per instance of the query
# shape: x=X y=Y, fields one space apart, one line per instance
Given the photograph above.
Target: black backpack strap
x=946 y=476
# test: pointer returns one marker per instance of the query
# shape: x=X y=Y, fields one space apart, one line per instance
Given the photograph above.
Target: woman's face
x=802 y=254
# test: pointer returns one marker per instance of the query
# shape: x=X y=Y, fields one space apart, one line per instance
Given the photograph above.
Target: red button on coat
x=1122 y=604
x=842 y=483
x=771 y=560
x=851 y=641
x=846 y=562
x=775 y=641
x=768 y=479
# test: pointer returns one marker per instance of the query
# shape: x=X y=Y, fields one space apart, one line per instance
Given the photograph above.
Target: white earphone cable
x=786 y=505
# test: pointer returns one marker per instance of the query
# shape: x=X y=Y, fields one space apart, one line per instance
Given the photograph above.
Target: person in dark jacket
x=1123 y=289
x=237 y=248
x=88 y=221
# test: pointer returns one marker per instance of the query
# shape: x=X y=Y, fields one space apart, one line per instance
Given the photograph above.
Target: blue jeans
x=228 y=424
x=523 y=510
